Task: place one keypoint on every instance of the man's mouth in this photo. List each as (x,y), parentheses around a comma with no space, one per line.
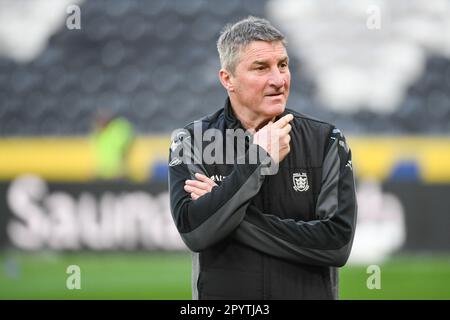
(277,94)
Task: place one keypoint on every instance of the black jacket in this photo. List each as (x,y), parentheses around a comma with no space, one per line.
(257,236)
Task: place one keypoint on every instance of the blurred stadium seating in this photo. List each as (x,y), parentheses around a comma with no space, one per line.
(155,63)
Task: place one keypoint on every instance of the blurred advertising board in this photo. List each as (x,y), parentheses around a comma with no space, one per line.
(120,215)
(37,215)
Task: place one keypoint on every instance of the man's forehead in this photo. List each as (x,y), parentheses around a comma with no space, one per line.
(263,50)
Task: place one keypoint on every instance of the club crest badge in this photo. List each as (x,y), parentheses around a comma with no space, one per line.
(300,181)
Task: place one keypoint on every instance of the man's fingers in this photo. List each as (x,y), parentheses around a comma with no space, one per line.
(194,196)
(280,123)
(286,129)
(199,188)
(198,184)
(205,179)
(198,191)
(286,140)
(201,177)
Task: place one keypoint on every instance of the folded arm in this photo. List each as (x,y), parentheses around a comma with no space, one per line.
(213,216)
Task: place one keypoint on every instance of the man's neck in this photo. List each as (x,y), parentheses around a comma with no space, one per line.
(249,120)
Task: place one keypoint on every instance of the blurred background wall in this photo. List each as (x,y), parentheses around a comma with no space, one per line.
(91,90)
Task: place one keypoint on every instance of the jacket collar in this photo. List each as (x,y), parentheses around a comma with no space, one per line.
(231,121)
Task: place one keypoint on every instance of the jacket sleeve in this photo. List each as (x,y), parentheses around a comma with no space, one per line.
(326,241)
(212,217)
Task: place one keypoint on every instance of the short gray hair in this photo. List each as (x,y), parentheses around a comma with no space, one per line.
(234,37)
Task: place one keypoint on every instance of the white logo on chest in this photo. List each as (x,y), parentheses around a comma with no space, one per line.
(300,181)
(217,178)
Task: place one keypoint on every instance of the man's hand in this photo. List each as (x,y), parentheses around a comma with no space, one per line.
(274,138)
(198,188)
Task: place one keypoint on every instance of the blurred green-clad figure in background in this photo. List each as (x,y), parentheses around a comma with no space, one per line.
(112,138)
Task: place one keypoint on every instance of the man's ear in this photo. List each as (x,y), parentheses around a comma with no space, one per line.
(226,80)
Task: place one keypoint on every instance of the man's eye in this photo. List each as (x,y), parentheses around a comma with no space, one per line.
(260,68)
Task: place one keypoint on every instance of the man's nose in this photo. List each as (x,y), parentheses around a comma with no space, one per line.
(276,78)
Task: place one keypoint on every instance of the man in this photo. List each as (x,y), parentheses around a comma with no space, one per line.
(256,234)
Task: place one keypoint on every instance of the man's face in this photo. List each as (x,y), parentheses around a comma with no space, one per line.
(262,79)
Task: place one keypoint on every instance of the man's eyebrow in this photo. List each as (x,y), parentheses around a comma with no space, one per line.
(264,62)
(260,62)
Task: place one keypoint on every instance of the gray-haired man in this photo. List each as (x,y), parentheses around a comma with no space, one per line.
(257,236)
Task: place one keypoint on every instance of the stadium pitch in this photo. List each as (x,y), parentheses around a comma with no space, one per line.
(167,276)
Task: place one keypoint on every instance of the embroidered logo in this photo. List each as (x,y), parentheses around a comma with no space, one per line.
(300,181)
(176,143)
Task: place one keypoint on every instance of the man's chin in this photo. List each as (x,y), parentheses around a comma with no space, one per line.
(275,109)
